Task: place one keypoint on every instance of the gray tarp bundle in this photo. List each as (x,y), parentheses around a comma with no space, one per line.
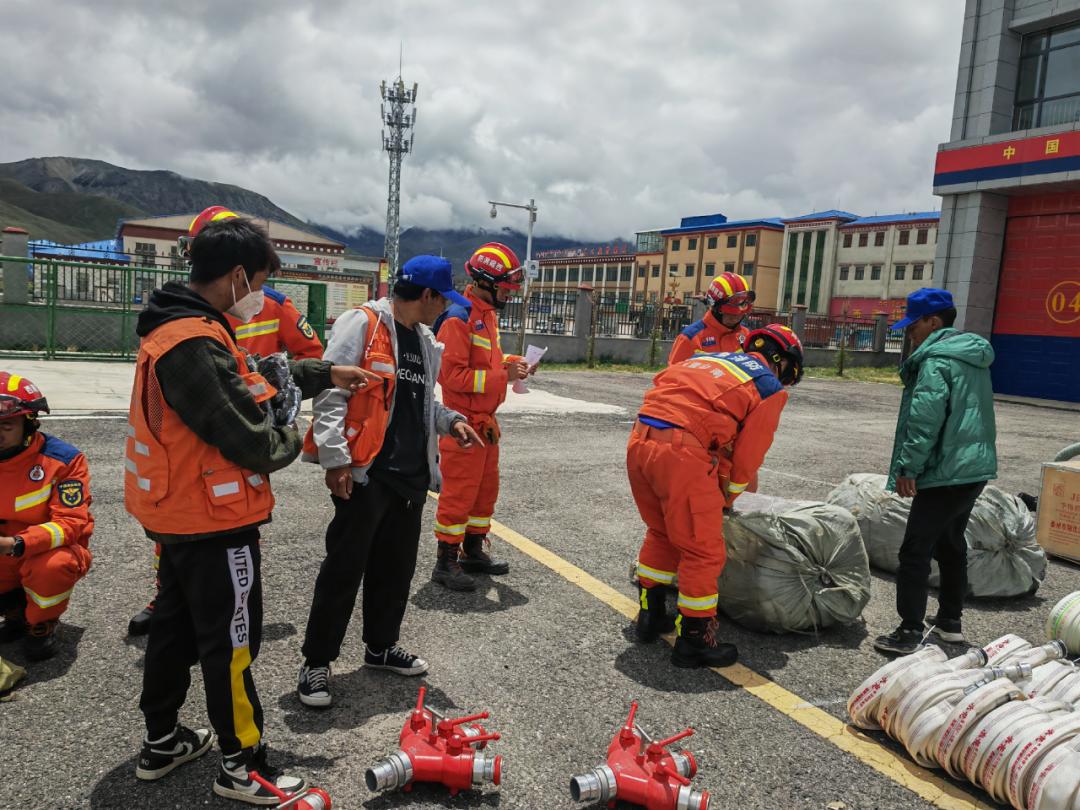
(792,565)
(1003,557)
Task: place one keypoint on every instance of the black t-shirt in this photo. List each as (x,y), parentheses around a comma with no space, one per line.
(402,462)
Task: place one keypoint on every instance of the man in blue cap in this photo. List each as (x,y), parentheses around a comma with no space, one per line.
(379,450)
(943,455)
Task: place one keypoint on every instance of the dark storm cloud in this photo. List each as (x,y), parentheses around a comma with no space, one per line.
(615,116)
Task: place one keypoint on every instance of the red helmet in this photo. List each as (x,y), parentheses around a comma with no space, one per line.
(774,342)
(496,264)
(215,213)
(731,292)
(20,397)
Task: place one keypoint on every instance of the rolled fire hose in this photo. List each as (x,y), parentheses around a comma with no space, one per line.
(1056,781)
(903,683)
(1004,729)
(1000,650)
(1063,623)
(964,719)
(864,701)
(1026,757)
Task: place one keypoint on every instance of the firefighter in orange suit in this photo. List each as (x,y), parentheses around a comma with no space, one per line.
(45,521)
(474,377)
(276,327)
(730,299)
(701,434)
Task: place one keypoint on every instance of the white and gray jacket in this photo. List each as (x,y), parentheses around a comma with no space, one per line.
(348,340)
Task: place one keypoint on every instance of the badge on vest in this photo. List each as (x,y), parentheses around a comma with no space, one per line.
(37,473)
(71,492)
(305,328)
(709,341)
(742,339)
(478,326)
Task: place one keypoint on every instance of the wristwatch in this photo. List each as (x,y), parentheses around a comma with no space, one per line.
(18,548)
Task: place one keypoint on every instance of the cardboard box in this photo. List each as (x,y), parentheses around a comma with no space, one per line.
(1058,529)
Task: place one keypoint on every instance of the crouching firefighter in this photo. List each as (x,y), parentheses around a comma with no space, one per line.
(474,377)
(700,437)
(198,456)
(45,521)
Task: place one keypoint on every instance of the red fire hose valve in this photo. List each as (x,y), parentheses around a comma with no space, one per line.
(434,748)
(309,799)
(642,771)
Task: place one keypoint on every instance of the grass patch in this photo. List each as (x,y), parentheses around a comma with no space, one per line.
(636,368)
(860,374)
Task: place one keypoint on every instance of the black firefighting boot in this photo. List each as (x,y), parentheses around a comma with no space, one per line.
(475,559)
(448,571)
(653,619)
(40,641)
(697,645)
(12,608)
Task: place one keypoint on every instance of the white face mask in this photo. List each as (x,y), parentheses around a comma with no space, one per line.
(247,307)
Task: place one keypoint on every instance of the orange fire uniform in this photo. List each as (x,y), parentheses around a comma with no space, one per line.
(721,411)
(45,500)
(278,327)
(473,379)
(707,336)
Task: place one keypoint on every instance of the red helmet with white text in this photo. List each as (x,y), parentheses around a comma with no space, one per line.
(496,265)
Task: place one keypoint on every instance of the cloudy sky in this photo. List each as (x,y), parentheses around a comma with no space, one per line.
(615,116)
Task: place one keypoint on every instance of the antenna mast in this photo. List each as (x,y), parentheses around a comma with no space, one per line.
(398,112)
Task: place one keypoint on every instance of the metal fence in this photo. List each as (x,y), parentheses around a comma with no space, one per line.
(548,314)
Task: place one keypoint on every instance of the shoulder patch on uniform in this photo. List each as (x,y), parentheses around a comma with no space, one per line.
(274,295)
(58,449)
(305,328)
(71,492)
(693,330)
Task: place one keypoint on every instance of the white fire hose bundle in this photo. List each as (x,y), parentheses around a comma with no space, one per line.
(1005,717)
(1063,623)
(792,566)
(1004,558)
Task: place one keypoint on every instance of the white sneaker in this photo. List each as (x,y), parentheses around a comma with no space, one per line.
(234,780)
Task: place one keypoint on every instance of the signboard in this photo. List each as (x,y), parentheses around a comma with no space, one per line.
(342,296)
(297,292)
(532,269)
(299,260)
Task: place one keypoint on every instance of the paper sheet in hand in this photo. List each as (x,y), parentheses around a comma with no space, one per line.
(533,355)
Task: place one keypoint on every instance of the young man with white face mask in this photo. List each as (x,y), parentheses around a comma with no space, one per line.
(199,451)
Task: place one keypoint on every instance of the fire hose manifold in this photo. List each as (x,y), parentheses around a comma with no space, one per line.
(642,771)
(434,748)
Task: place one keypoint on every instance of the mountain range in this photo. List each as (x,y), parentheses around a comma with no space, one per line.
(73,200)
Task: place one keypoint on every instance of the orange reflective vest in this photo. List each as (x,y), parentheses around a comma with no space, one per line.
(45,496)
(730,403)
(473,373)
(174,482)
(279,326)
(368,412)
(707,336)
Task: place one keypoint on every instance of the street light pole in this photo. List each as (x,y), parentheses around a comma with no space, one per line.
(531,208)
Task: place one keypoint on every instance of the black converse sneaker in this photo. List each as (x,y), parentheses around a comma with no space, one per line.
(948,630)
(160,757)
(313,688)
(235,781)
(394,659)
(902,641)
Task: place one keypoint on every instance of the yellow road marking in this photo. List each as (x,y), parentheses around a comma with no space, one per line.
(939,792)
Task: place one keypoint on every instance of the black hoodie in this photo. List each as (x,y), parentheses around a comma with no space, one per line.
(200,381)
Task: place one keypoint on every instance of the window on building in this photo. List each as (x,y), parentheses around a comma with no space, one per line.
(176,260)
(572,275)
(710,270)
(729,267)
(586,275)
(847,240)
(613,274)
(929,271)
(689,270)
(624,274)
(905,237)
(712,243)
(147,253)
(916,272)
(560,275)
(860,272)
(656,271)
(901,271)
(673,270)
(875,272)
(864,239)
(920,237)
(691,244)
(1048,80)
(641,270)
(639,296)
(751,239)
(675,244)
(879,238)
(733,240)
(748,268)
(650,242)
(844,272)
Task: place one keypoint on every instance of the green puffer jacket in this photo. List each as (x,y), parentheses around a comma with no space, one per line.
(945,433)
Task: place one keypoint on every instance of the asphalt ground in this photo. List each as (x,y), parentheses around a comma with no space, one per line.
(555,665)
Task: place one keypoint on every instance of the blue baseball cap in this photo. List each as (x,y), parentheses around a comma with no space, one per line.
(924,301)
(435,273)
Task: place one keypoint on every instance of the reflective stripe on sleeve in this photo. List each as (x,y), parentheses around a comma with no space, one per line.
(735,489)
(38,496)
(482,342)
(479,381)
(56,533)
(257,328)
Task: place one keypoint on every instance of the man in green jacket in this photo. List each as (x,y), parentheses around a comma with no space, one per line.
(943,455)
